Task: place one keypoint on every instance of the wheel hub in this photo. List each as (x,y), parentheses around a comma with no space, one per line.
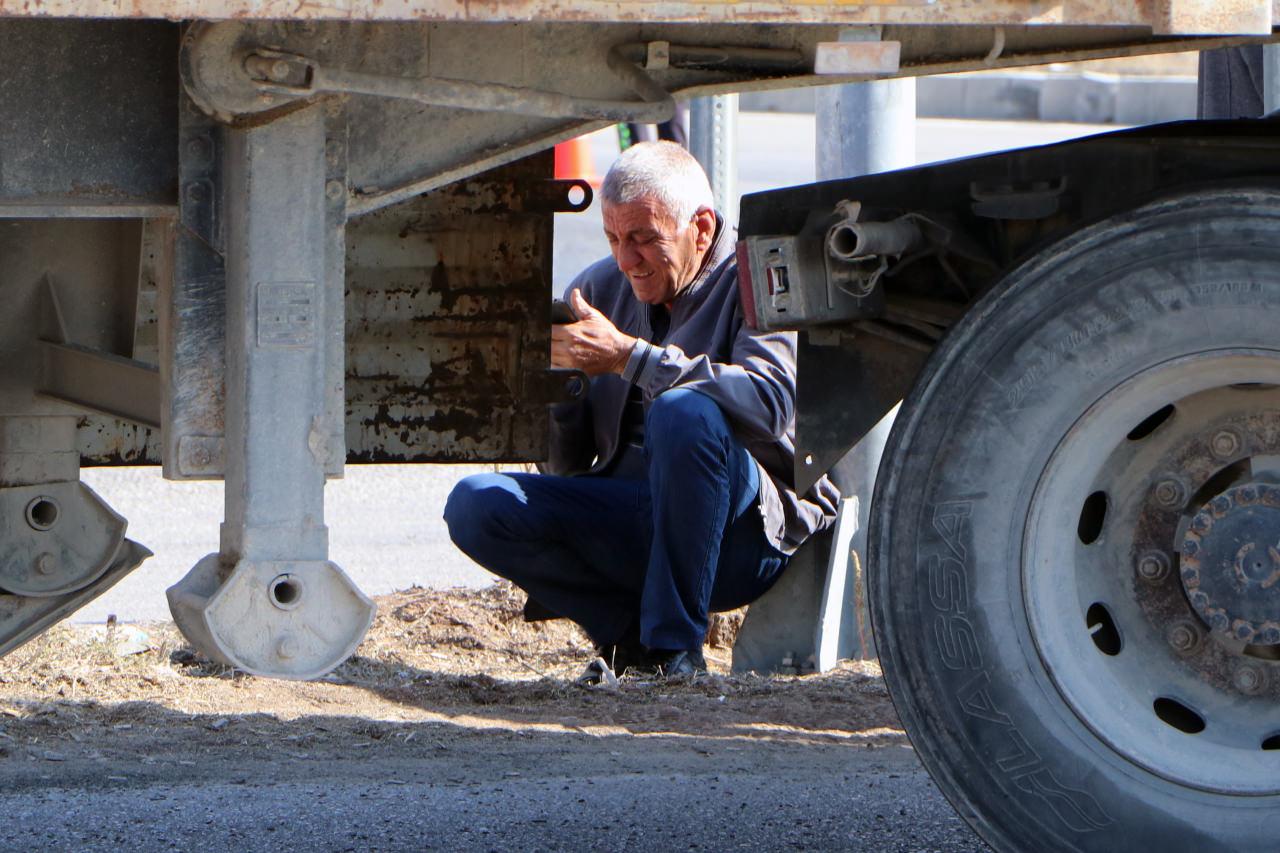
(1230,564)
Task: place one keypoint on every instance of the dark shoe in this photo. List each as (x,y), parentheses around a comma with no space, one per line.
(629,654)
(681,664)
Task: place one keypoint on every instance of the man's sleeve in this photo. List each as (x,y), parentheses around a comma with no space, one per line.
(756,390)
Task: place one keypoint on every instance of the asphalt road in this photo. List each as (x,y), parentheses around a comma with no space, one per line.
(384,521)
(635,794)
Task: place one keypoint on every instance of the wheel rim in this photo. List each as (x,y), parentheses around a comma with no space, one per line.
(1108,606)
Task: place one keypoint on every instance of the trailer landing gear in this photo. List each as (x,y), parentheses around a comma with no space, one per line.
(270,602)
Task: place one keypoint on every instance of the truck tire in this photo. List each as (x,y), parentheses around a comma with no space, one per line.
(1060,669)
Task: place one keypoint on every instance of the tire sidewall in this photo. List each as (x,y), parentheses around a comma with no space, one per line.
(1176,277)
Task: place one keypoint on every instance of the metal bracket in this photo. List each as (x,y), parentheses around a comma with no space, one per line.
(102,382)
(57,538)
(230,80)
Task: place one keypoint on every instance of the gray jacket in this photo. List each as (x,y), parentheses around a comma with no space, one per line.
(708,348)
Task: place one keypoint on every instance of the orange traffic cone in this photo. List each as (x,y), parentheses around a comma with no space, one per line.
(573,160)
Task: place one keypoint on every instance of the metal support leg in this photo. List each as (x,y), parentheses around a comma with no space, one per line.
(271,603)
(713,139)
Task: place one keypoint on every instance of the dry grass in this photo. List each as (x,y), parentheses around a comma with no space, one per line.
(461,657)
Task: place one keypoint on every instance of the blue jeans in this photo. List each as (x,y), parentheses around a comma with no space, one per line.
(657,552)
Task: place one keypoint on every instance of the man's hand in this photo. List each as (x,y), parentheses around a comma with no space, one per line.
(593,344)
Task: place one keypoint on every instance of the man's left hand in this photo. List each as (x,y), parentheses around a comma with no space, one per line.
(593,344)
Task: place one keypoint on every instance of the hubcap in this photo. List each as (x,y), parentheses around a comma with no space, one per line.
(1231,563)
(1151,570)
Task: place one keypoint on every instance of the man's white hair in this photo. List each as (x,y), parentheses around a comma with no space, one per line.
(659,170)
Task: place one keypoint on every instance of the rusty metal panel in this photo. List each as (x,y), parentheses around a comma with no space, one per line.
(1198,14)
(448,320)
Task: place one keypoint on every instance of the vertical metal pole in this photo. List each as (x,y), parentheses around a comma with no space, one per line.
(1270,78)
(713,140)
(862,128)
(277,436)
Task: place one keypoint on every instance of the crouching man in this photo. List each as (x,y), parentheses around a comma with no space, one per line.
(669,490)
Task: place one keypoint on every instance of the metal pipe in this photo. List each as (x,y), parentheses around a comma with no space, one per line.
(848,241)
(727,58)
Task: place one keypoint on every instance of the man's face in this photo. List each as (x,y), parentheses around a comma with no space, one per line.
(658,255)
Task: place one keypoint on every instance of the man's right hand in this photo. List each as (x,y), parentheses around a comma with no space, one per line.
(593,344)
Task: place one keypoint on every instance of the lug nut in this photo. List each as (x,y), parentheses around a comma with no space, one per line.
(1153,566)
(1170,493)
(1225,444)
(1243,630)
(1249,679)
(1184,637)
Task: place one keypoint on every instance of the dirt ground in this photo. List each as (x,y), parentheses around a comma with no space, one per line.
(437,667)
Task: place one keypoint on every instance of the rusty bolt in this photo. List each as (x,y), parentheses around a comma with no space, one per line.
(1225,444)
(334,190)
(1249,679)
(1184,637)
(1190,548)
(287,646)
(1170,493)
(198,149)
(1153,566)
(1247,495)
(1221,505)
(45,564)
(1243,630)
(196,192)
(265,68)
(1269,635)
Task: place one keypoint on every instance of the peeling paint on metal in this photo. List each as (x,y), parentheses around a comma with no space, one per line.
(447,299)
